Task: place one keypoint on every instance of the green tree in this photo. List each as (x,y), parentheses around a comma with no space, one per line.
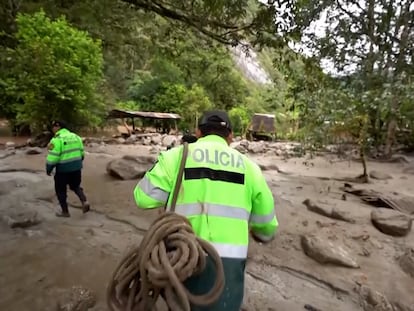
(240,119)
(195,102)
(55,70)
(371,42)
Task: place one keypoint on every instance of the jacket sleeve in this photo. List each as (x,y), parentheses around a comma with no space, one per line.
(81,147)
(263,221)
(53,156)
(154,188)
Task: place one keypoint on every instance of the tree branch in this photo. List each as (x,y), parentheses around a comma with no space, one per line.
(200,23)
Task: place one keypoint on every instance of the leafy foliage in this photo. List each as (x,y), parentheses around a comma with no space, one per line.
(54,72)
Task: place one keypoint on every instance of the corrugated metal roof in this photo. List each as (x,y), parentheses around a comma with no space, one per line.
(118,113)
(265,115)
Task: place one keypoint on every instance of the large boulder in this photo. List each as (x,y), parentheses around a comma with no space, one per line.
(322,250)
(391,222)
(331,212)
(130,167)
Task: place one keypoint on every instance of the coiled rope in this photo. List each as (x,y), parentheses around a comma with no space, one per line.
(169,253)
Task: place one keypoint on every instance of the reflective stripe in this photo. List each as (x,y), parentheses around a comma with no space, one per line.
(230,250)
(51,153)
(154,192)
(212,210)
(70,160)
(71,150)
(262,237)
(262,219)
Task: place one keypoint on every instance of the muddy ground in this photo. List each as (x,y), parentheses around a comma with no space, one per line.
(38,263)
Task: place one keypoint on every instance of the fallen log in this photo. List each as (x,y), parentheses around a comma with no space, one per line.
(377,199)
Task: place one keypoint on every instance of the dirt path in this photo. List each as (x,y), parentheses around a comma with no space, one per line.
(37,262)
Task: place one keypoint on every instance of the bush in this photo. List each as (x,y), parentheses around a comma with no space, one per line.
(55,70)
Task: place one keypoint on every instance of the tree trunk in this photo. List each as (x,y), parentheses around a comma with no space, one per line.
(392,126)
(364,176)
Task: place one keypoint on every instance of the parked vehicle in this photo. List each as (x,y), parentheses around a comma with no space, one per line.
(262,127)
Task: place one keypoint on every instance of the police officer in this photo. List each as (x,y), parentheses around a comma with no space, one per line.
(66,154)
(224,195)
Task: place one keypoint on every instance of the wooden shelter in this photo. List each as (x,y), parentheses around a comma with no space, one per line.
(147,115)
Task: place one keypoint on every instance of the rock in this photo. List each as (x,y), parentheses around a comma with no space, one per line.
(76,299)
(120,140)
(10,144)
(256,147)
(372,300)
(328,211)
(131,139)
(324,251)
(168,140)
(342,215)
(34,233)
(156,139)
(130,167)
(244,143)
(391,222)
(311,308)
(146,141)
(22,220)
(398,306)
(319,209)
(379,175)
(34,150)
(7,154)
(155,150)
(270,167)
(406,262)
(239,147)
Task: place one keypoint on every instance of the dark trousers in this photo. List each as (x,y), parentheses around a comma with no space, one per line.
(232,297)
(71,179)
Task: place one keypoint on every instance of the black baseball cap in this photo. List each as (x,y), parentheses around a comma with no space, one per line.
(61,124)
(217,118)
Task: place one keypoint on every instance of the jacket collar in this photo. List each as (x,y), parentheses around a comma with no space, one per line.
(61,131)
(213,138)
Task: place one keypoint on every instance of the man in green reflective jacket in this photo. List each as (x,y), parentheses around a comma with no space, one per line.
(66,155)
(224,195)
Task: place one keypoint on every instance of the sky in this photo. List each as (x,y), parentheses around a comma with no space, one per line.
(318,28)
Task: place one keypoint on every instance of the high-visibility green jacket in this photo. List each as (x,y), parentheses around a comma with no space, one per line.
(66,152)
(223,193)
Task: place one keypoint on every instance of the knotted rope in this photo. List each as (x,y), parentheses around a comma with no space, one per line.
(169,253)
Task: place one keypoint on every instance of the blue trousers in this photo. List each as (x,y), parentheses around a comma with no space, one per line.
(232,297)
